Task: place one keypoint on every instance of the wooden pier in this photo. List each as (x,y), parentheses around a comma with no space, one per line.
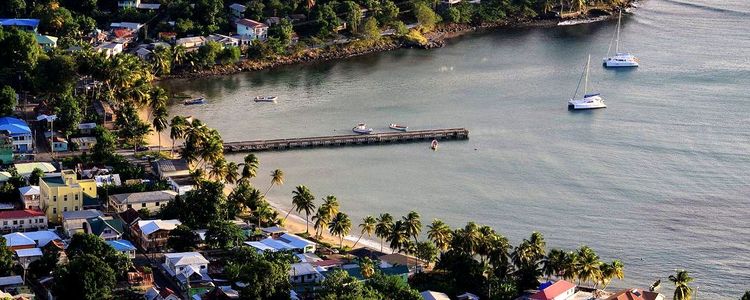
(346,140)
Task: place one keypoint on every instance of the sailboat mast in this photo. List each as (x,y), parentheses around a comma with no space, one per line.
(586,82)
(617,41)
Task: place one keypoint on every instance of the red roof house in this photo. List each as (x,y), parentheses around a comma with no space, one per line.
(636,294)
(559,290)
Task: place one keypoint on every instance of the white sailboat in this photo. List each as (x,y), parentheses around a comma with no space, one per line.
(620,59)
(589,100)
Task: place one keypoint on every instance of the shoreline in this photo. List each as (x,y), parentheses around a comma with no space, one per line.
(436,39)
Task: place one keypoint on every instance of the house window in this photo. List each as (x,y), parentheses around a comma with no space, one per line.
(130,206)
(54,198)
(54,210)
(76,207)
(21,222)
(15,222)
(41,220)
(76,197)
(143,204)
(157,203)
(181,268)
(65,197)
(5,222)
(65,208)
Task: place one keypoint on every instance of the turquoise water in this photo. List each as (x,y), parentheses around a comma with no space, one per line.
(659,179)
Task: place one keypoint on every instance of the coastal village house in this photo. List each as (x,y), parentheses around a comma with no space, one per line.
(166,168)
(106,228)
(152,234)
(153,201)
(22,220)
(64,193)
(182,184)
(252,30)
(560,290)
(164,294)
(636,294)
(28,240)
(191,43)
(109,48)
(304,273)
(123,246)
(25,169)
(186,265)
(30,197)
(84,143)
(284,242)
(73,221)
(19,132)
(137,4)
(236,11)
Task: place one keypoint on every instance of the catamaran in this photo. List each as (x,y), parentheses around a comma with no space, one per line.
(620,59)
(589,100)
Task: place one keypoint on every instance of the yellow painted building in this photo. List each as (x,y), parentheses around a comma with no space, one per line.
(63,193)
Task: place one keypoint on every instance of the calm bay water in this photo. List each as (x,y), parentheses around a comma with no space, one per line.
(659,179)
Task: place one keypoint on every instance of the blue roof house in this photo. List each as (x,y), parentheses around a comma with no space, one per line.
(19,132)
(25,24)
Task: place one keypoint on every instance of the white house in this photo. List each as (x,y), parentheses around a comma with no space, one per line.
(85,143)
(30,196)
(191,42)
(153,201)
(22,220)
(33,239)
(109,48)
(285,242)
(187,265)
(252,29)
(430,295)
(137,4)
(182,184)
(227,41)
(304,273)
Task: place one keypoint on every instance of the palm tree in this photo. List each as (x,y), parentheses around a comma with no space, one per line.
(263,212)
(303,200)
(233,173)
(250,166)
(383,228)
(413,224)
(277,178)
(612,270)
(162,60)
(366,227)
(553,263)
(331,204)
(367,267)
(570,266)
(160,122)
(178,55)
(440,234)
(588,265)
(398,237)
(468,239)
(340,226)
(219,170)
(177,129)
(681,289)
(321,219)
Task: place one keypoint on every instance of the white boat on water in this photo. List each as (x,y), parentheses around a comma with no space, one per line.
(361,128)
(434,145)
(620,59)
(581,21)
(266,99)
(398,127)
(589,100)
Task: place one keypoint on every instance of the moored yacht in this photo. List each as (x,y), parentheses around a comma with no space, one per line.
(589,100)
(620,59)
(361,128)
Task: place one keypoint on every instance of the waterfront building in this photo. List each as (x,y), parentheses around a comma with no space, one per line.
(284,242)
(636,294)
(226,41)
(191,43)
(20,133)
(64,193)
(252,29)
(559,290)
(22,220)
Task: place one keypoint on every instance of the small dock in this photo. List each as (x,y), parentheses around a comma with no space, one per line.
(347,140)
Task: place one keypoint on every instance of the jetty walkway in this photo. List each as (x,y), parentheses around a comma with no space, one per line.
(346,140)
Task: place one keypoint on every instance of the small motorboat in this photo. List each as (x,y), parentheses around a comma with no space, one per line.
(398,127)
(434,145)
(266,99)
(196,101)
(361,128)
